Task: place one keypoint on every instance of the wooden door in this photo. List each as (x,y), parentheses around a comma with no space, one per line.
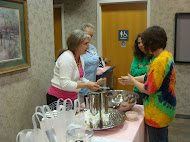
(57,30)
(128,16)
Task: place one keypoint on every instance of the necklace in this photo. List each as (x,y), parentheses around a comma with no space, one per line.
(77,62)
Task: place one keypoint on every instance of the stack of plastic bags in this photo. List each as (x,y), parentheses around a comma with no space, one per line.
(53,123)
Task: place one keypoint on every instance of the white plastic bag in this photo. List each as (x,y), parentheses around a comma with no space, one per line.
(73,120)
(47,124)
(56,122)
(25,136)
(32,135)
(65,115)
(60,124)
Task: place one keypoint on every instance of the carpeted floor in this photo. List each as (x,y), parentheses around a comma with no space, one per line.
(179,130)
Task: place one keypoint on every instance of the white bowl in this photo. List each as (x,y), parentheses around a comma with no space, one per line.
(132,115)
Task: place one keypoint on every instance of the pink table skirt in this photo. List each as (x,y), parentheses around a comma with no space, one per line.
(133,131)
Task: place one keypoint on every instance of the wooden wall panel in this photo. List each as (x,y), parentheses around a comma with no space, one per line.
(57,30)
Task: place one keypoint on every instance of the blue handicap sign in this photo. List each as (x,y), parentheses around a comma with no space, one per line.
(123,34)
(123,43)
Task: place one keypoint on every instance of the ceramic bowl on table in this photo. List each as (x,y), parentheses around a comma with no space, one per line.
(132,115)
(122,100)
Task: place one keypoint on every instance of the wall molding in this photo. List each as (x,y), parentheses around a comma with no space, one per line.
(183,116)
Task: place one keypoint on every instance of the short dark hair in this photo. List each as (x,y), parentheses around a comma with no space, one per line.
(154,38)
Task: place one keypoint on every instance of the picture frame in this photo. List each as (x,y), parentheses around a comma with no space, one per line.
(14,36)
(182,34)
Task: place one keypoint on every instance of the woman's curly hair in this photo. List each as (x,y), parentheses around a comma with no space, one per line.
(137,52)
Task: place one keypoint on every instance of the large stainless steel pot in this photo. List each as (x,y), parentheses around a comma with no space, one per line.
(98,102)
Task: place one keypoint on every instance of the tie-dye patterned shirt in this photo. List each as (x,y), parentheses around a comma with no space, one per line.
(160,106)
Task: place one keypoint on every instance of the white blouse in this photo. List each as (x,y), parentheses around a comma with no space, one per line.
(66,73)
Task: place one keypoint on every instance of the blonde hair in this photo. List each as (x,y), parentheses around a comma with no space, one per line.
(87,26)
(75,39)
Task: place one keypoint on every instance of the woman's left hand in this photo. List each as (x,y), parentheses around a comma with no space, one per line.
(126,80)
(101,81)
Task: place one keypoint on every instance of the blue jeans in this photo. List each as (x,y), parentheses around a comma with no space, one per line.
(157,134)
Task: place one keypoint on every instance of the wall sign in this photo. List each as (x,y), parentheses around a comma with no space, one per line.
(123,34)
(123,43)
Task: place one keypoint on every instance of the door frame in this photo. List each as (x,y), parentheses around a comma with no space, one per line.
(62,23)
(99,18)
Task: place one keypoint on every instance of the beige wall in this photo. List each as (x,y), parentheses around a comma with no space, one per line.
(22,91)
(77,12)
(162,13)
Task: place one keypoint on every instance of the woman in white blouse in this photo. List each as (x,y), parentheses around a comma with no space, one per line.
(68,76)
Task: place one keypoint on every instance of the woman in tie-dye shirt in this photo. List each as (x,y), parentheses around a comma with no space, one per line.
(158,85)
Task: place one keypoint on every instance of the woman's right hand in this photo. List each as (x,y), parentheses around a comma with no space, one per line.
(93,86)
(100,81)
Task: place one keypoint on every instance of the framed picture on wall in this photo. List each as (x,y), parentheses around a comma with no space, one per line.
(14,37)
(182,37)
